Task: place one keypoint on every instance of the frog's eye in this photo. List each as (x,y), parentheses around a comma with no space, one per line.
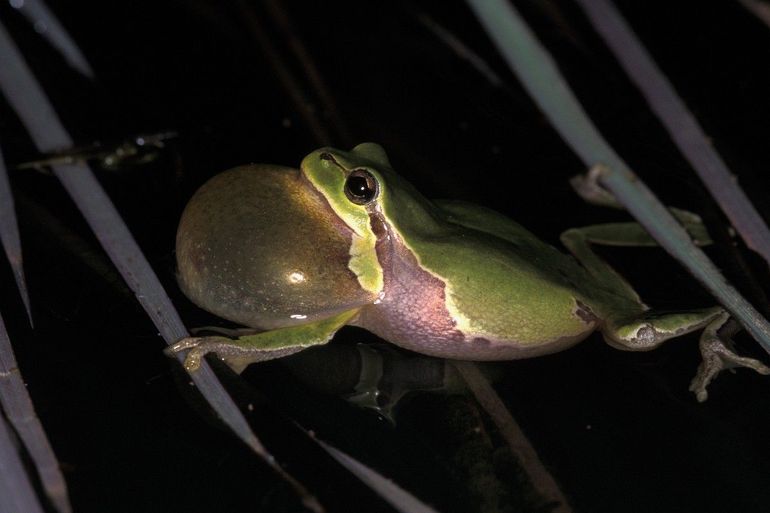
(361,187)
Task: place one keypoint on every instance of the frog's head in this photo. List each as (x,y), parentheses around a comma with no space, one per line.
(352,182)
(368,196)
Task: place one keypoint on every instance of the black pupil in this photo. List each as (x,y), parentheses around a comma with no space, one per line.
(360,186)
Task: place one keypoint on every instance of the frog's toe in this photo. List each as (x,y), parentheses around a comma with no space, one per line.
(180,345)
(197,348)
(718,356)
(701,381)
(589,188)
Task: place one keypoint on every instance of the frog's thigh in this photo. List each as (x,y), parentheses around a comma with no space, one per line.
(240,352)
(578,241)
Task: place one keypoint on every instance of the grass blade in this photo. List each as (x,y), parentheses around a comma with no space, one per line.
(541,78)
(680,123)
(393,494)
(759,9)
(48,26)
(9,236)
(280,19)
(18,408)
(460,49)
(541,479)
(288,79)
(37,114)
(16,494)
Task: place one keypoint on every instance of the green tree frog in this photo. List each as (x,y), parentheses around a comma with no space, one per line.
(299,253)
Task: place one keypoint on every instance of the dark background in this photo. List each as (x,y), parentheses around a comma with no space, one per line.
(619,431)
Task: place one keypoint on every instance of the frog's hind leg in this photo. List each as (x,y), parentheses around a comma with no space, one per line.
(589,188)
(579,240)
(632,326)
(651,329)
(244,350)
(718,354)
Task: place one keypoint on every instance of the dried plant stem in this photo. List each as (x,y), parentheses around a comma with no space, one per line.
(541,479)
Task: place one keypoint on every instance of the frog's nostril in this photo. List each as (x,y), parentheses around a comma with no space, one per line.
(326,156)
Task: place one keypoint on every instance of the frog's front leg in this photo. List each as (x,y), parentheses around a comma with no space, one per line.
(244,350)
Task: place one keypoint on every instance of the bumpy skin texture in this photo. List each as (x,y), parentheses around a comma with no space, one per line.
(257,245)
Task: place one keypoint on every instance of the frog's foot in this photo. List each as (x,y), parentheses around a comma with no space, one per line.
(235,354)
(651,329)
(588,187)
(718,355)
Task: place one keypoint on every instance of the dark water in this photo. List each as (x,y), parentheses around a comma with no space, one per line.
(619,431)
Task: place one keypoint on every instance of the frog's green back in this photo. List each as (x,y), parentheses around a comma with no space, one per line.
(496,291)
(501,281)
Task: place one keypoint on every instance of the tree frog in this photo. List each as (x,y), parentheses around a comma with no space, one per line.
(299,253)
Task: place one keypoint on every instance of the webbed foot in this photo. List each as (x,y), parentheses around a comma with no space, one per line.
(718,355)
